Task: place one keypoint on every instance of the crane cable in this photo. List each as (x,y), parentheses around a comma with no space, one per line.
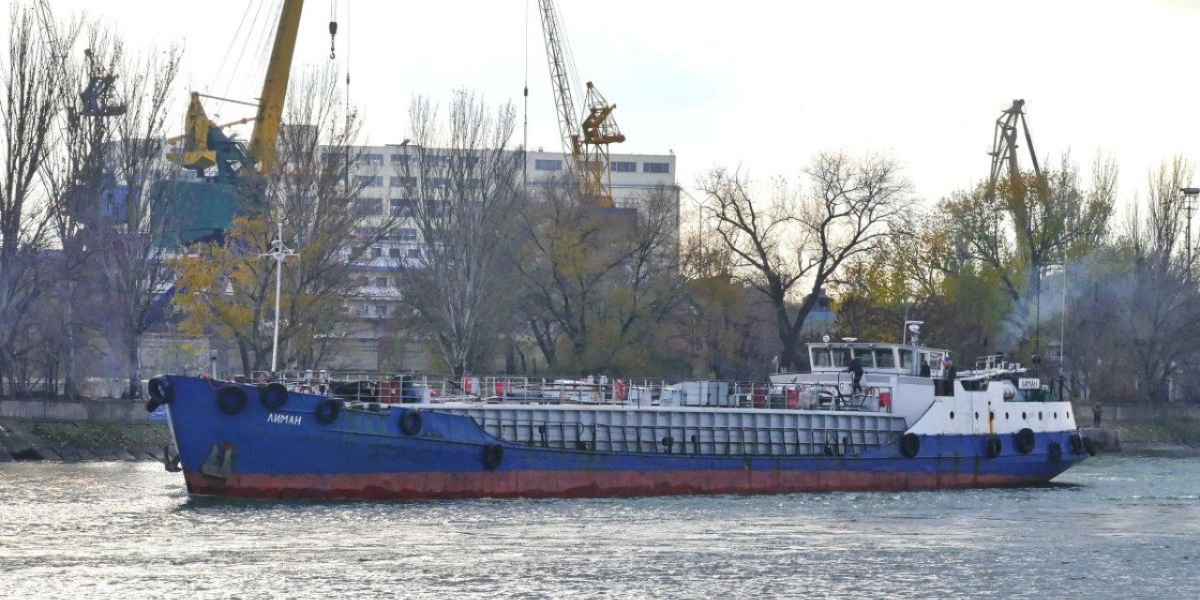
(242,51)
(525,135)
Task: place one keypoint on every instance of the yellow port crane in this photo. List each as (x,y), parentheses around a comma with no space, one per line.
(585,140)
(206,145)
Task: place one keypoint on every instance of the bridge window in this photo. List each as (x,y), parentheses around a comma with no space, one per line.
(624,167)
(885,359)
(656,167)
(906,361)
(865,357)
(547,165)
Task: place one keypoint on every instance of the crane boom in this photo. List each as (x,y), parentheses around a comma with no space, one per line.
(563,100)
(584,139)
(274,90)
(1004,146)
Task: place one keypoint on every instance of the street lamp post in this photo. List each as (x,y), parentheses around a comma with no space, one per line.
(1189,203)
(279,252)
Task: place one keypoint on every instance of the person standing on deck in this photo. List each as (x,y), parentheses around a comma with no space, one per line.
(1097,412)
(855,367)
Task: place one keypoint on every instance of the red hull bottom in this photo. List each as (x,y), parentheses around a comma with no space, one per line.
(566,484)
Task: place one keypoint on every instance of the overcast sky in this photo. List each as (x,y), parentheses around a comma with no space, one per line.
(756,83)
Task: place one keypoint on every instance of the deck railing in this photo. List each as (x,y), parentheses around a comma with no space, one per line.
(432,389)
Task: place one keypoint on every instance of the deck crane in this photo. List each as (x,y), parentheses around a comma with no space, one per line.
(585,140)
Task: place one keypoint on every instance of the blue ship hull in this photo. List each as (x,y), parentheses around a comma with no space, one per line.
(292,452)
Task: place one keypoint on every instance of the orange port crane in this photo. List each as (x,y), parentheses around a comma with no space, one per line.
(585,140)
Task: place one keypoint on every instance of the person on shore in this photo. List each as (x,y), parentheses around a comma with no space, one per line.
(1097,412)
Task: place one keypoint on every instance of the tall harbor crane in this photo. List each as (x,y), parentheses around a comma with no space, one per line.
(205,142)
(584,139)
(1004,146)
(203,209)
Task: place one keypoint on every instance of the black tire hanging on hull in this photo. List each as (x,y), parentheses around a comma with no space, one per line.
(910,445)
(411,422)
(328,410)
(160,391)
(994,446)
(1025,441)
(493,456)
(1055,451)
(231,399)
(273,395)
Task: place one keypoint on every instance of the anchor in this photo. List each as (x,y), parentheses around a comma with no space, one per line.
(220,462)
(171,462)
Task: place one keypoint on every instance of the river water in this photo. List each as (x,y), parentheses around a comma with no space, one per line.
(1113,527)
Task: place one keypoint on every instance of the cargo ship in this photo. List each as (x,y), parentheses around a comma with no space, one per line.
(868,416)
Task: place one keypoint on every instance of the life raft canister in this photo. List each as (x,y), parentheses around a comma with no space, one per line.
(621,389)
(231,399)
(792,398)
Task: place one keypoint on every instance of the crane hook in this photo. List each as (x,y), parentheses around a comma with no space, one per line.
(332,35)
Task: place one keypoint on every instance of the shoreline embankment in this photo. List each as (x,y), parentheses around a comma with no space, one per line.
(80,430)
(109,429)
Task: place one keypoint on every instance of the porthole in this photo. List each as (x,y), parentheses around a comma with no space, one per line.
(1056,415)
(1024,416)
(991,416)
(1040,417)
(976,416)
(1068,415)
(1005,416)
(952,415)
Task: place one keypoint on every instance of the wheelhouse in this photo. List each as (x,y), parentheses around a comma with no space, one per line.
(893,359)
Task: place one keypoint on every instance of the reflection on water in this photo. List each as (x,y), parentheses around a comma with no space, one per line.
(1113,527)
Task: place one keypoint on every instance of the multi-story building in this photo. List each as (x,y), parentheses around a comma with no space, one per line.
(387,190)
(633,175)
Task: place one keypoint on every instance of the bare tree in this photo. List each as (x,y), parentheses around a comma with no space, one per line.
(1149,320)
(598,279)
(33,90)
(75,173)
(134,277)
(1026,228)
(795,239)
(464,190)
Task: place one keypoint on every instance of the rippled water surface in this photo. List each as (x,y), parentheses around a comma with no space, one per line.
(1114,527)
